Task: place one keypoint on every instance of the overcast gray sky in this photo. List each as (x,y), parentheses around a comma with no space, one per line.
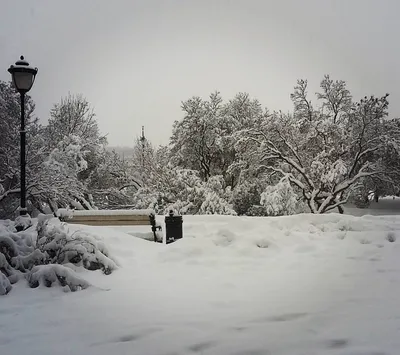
(136,60)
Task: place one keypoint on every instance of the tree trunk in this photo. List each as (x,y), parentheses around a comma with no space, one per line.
(340,209)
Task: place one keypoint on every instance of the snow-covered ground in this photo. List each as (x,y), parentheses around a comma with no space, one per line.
(300,285)
(385,206)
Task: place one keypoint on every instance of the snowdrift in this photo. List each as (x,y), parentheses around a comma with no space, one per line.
(233,285)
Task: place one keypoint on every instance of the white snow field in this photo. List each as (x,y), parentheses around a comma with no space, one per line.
(300,285)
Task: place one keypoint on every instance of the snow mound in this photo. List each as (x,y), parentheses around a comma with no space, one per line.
(233,285)
(219,240)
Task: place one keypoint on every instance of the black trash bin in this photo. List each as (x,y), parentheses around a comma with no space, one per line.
(173,227)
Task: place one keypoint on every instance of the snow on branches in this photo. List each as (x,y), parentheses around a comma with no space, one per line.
(48,254)
(324,152)
(280,199)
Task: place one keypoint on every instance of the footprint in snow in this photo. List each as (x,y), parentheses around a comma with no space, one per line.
(391,237)
(337,343)
(128,338)
(200,347)
(134,336)
(365,241)
(253,352)
(281,318)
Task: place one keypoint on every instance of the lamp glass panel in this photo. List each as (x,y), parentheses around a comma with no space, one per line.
(23,80)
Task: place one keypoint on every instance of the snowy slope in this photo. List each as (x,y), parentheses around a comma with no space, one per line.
(234,285)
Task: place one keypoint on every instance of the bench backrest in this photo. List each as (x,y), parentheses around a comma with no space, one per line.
(111,218)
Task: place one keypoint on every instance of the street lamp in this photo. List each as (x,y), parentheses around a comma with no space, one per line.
(23,77)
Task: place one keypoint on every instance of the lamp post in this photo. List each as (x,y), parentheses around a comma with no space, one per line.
(23,77)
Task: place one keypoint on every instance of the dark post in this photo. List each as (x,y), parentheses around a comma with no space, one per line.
(154,227)
(23,77)
(23,210)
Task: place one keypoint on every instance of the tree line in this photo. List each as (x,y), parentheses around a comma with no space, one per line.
(232,157)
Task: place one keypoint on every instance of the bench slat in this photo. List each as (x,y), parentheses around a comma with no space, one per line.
(110,218)
(110,222)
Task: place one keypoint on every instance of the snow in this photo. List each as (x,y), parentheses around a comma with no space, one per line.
(385,206)
(56,274)
(146,212)
(304,284)
(23,221)
(5,285)
(64,213)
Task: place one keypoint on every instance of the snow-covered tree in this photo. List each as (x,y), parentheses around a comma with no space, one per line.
(143,159)
(194,140)
(242,112)
(183,190)
(56,183)
(73,131)
(327,151)
(204,140)
(10,121)
(73,115)
(114,181)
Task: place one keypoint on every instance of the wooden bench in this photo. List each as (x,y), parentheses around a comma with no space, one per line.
(114,218)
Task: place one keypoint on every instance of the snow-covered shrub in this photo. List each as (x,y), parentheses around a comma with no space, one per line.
(280,199)
(180,207)
(216,183)
(184,191)
(257,210)
(213,204)
(245,196)
(64,214)
(5,284)
(46,255)
(51,274)
(147,198)
(361,196)
(23,222)
(61,247)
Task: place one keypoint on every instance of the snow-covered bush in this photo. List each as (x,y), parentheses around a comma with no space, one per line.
(184,191)
(280,199)
(360,198)
(181,207)
(5,284)
(23,222)
(53,274)
(61,247)
(213,204)
(257,211)
(48,254)
(147,198)
(245,196)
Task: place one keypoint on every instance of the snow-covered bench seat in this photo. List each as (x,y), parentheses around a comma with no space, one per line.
(112,217)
